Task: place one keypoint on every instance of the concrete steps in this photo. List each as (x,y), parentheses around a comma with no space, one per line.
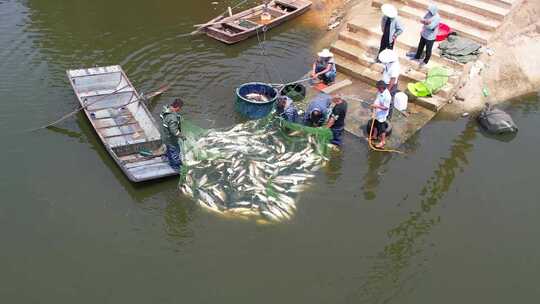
(507,4)
(370,42)
(480,7)
(358,45)
(450,12)
(415,14)
(409,69)
(351,61)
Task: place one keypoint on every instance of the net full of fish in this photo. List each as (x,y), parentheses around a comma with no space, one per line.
(251,171)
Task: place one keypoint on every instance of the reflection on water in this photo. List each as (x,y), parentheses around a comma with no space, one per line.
(402,258)
(376,162)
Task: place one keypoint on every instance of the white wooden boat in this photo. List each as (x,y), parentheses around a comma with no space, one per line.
(122,121)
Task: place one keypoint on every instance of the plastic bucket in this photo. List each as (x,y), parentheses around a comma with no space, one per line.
(253,109)
(400,101)
(444,31)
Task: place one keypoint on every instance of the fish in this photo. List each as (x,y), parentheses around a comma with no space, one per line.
(257,97)
(187,190)
(242,203)
(207,199)
(219,193)
(270,215)
(252,161)
(203,180)
(212,208)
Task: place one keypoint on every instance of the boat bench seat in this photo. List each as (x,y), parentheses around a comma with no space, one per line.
(236,26)
(275,12)
(93,93)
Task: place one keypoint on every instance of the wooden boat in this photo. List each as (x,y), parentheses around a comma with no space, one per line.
(238,27)
(122,121)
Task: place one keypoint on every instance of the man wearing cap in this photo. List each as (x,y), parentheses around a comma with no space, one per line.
(381,106)
(391,27)
(429,32)
(336,122)
(171,132)
(391,70)
(286,109)
(325,67)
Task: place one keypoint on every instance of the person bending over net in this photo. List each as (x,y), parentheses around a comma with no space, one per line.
(317,110)
(324,68)
(286,109)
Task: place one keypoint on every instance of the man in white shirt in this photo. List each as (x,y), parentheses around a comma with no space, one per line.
(391,70)
(381,106)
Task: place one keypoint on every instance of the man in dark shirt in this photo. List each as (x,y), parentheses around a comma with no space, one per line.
(336,122)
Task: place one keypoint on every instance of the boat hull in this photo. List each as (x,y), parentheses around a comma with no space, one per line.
(121,120)
(229,30)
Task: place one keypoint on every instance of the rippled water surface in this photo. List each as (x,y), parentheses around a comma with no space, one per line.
(455,220)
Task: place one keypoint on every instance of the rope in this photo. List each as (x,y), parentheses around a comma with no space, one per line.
(281,86)
(370,141)
(261,44)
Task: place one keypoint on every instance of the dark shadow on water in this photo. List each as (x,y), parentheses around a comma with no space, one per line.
(376,162)
(401,260)
(68,133)
(505,138)
(177,210)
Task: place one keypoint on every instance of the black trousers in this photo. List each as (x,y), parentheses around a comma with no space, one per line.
(424,43)
(386,45)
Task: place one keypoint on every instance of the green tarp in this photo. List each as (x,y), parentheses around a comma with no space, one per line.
(437,78)
(460,49)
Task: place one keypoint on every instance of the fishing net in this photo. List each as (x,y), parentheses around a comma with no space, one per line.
(254,169)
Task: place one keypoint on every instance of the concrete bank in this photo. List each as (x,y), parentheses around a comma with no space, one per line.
(506,26)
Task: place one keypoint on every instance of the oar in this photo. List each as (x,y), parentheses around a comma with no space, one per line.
(160,91)
(200,27)
(78,110)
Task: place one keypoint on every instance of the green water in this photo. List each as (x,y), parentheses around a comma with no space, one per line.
(455,220)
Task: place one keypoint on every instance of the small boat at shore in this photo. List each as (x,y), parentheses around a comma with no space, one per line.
(122,121)
(237,27)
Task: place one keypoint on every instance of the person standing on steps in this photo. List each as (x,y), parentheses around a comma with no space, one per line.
(391,27)
(429,32)
(391,70)
(171,132)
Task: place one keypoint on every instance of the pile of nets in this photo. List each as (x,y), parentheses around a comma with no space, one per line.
(254,169)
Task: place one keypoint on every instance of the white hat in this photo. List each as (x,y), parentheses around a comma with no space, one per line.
(387,56)
(389,10)
(400,101)
(325,53)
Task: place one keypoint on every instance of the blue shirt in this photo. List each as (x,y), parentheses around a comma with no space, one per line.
(321,102)
(290,112)
(430,30)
